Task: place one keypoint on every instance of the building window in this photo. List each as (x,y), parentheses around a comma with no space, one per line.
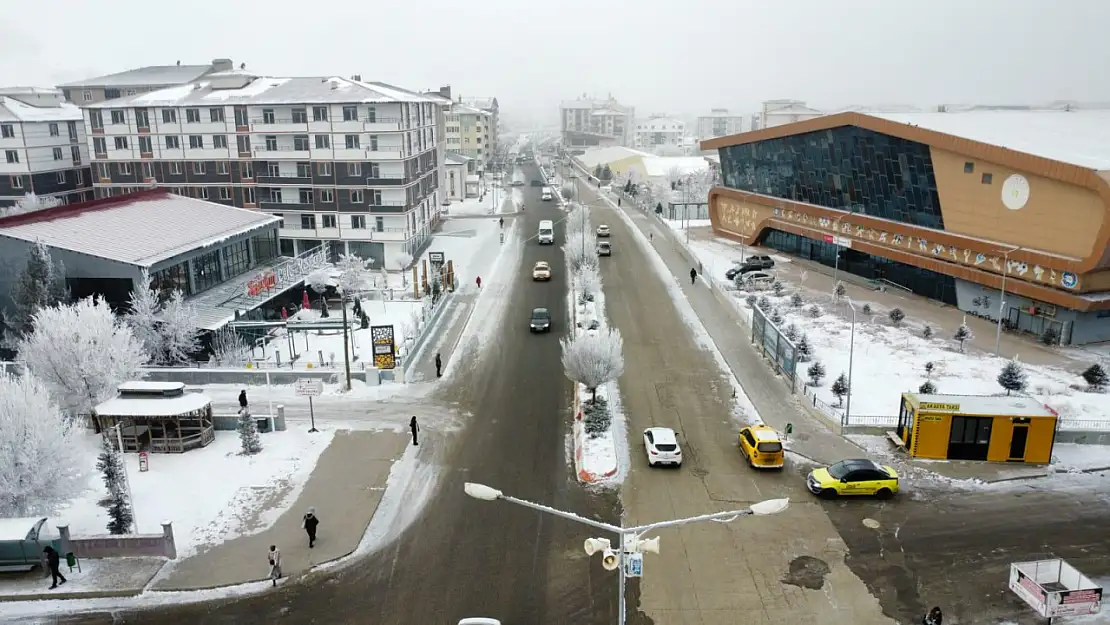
(192,116)
(323,142)
(300,143)
(206,271)
(304,170)
(16,182)
(300,116)
(100,146)
(170,279)
(96,120)
(308,222)
(53,130)
(373,143)
(148,171)
(169,116)
(219,141)
(275,196)
(268,116)
(246,171)
(379,224)
(328,221)
(326,196)
(58,154)
(350,113)
(124,169)
(121,143)
(248,195)
(202,193)
(351,141)
(354,169)
(273,170)
(198,167)
(237,258)
(196,142)
(173,142)
(60,177)
(323,169)
(356,196)
(146,146)
(129,92)
(969,167)
(271,143)
(305,196)
(987,178)
(319,113)
(86,96)
(102,171)
(358,222)
(225,193)
(216,115)
(119,117)
(175,168)
(7,131)
(222,168)
(80,177)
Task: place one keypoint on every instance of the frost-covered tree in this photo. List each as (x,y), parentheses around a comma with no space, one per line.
(1013,377)
(929,366)
(927,332)
(82,352)
(803,350)
(30,203)
(840,388)
(796,300)
(41,284)
(142,317)
(38,449)
(228,349)
(815,373)
(751,300)
(578,220)
(927,388)
(776,316)
(179,330)
(815,311)
(962,335)
(354,273)
(840,290)
(778,288)
(896,316)
(580,250)
(592,359)
(249,440)
(320,279)
(401,262)
(791,332)
(1095,377)
(588,282)
(764,304)
(567,191)
(112,471)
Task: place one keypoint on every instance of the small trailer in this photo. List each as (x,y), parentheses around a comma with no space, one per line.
(1055,588)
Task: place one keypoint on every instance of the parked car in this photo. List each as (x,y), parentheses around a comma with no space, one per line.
(541,320)
(760,262)
(537,183)
(604,248)
(758,279)
(761,446)
(853,477)
(750,264)
(479,620)
(517,183)
(661,445)
(603,230)
(541,271)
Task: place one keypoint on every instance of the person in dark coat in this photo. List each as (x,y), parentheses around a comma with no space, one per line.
(415,427)
(309,524)
(439,366)
(934,617)
(243,398)
(478,281)
(693,275)
(53,562)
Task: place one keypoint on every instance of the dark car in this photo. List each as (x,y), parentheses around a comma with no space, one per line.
(537,183)
(541,320)
(753,263)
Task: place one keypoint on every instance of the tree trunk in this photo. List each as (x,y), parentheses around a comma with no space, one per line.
(593,392)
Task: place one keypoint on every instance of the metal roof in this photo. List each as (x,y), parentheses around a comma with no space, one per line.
(13,110)
(480,103)
(988,405)
(149,75)
(138,229)
(270,90)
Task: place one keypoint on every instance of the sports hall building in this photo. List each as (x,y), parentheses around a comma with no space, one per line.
(942,204)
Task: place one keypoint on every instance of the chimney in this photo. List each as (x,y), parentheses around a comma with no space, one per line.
(357,78)
(179,63)
(222,65)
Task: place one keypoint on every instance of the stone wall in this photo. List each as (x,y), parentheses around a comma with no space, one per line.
(128,545)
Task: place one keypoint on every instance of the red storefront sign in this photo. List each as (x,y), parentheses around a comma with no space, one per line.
(262,282)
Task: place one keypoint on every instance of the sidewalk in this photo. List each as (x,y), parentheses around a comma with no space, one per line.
(345,488)
(444,338)
(99,578)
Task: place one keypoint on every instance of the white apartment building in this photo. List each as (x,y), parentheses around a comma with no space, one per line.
(340,160)
(43,149)
(586,123)
(779,112)
(489,105)
(139,80)
(659,134)
(719,123)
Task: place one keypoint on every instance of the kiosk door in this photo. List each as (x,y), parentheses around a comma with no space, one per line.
(970,437)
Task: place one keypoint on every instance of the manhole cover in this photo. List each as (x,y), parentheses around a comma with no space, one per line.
(872,523)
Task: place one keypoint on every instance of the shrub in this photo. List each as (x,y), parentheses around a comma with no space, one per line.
(1051,336)
(896,316)
(867,309)
(962,335)
(815,311)
(776,317)
(778,287)
(803,351)
(596,416)
(791,332)
(839,291)
(796,300)
(1095,376)
(764,304)
(1012,377)
(929,366)
(815,372)
(927,388)
(927,332)
(751,300)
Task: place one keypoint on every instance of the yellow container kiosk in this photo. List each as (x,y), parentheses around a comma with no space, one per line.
(977,427)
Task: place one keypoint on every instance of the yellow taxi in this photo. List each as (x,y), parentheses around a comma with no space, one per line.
(761,447)
(853,477)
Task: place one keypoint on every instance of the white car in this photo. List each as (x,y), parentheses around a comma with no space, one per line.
(603,230)
(662,447)
(758,279)
(479,620)
(541,271)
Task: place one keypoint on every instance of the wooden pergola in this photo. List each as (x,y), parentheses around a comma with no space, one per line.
(158,417)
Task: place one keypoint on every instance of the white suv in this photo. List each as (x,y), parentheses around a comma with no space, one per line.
(662,447)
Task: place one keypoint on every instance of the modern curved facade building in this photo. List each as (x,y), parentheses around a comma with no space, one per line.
(944,204)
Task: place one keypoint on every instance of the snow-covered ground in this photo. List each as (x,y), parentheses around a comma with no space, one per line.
(889,360)
(211,495)
(681,225)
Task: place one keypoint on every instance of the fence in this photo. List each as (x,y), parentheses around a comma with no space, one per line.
(128,545)
(825,410)
(774,345)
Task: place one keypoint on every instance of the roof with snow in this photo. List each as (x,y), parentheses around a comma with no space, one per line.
(1077,137)
(18,110)
(154,406)
(608,112)
(987,405)
(481,103)
(139,229)
(661,165)
(600,156)
(451,158)
(149,75)
(660,124)
(253,89)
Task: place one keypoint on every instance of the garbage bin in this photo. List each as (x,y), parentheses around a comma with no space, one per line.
(71,560)
(263,424)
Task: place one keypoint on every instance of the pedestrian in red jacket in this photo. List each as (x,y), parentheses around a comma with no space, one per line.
(478,281)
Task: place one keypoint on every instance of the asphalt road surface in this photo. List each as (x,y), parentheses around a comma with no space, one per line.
(463,557)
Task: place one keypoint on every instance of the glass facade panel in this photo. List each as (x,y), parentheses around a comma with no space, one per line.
(921,281)
(265,247)
(237,258)
(170,279)
(206,271)
(846,168)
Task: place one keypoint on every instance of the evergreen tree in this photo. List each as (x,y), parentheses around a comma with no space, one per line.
(927,332)
(751,301)
(41,284)
(803,351)
(840,388)
(1051,336)
(597,171)
(776,316)
(896,316)
(248,433)
(962,335)
(791,332)
(927,388)
(778,288)
(796,300)
(606,173)
(110,465)
(840,291)
(1012,377)
(120,516)
(815,372)
(596,416)
(929,366)
(866,309)
(764,304)
(1095,376)
(815,311)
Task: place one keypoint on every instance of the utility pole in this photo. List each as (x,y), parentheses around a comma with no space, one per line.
(346,329)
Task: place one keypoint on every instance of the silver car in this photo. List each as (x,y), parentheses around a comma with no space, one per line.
(604,248)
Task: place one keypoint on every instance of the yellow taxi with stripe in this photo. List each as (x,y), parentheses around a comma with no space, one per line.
(853,478)
(761,447)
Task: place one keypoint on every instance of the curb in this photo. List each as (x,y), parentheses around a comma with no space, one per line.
(584,476)
(68,596)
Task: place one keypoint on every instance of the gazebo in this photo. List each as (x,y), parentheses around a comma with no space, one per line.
(159,417)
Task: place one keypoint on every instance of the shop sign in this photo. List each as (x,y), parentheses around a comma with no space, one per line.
(264,281)
(935,407)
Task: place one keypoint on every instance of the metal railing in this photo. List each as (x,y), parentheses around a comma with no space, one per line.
(1084,425)
(831,413)
(872,420)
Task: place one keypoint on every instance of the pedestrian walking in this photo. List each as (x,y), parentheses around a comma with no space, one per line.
(243,399)
(415,427)
(478,281)
(53,562)
(274,558)
(439,366)
(651,235)
(693,275)
(501,222)
(934,617)
(309,524)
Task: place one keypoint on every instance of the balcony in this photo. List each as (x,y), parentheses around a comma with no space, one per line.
(386,206)
(279,207)
(382,124)
(385,153)
(389,181)
(282,152)
(279,124)
(292,179)
(388,234)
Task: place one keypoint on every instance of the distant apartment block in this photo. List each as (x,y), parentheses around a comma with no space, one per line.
(586,123)
(43,149)
(469,132)
(136,81)
(778,112)
(489,105)
(659,134)
(719,123)
(340,160)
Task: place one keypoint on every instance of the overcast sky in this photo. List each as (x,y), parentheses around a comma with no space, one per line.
(659,56)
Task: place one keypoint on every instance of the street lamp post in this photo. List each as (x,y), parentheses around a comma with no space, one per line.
(1002,297)
(631,538)
(851,355)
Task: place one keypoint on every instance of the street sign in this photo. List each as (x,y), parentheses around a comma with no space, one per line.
(436,258)
(835,240)
(144,462)
(312,387)
(633,564)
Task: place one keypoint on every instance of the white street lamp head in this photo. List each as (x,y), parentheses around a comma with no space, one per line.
(771,506)
(481,491)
